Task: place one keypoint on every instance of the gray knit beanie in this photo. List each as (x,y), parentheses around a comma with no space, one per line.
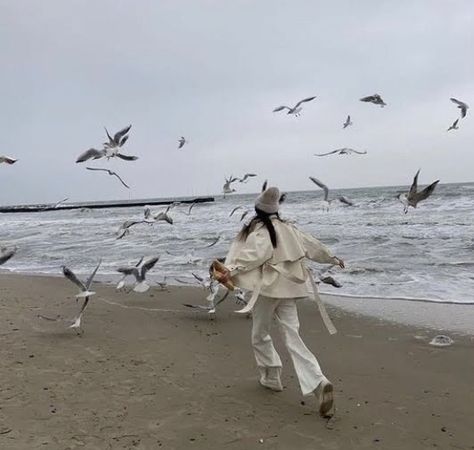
(268,200)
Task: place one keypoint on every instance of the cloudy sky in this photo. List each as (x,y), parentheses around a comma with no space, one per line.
(213,71)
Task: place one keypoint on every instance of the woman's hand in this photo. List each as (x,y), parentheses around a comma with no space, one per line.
(340,262)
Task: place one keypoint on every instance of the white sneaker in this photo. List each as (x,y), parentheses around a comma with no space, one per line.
(325,395)
(270,378)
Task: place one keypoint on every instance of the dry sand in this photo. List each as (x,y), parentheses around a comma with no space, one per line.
(148,374)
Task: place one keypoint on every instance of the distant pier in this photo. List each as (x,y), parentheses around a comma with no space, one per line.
(101,205)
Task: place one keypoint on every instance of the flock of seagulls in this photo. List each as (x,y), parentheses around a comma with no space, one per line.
(113,148)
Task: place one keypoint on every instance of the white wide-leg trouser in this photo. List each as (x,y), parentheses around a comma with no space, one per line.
(286,316)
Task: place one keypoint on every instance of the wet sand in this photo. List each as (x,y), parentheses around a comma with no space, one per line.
(148,373)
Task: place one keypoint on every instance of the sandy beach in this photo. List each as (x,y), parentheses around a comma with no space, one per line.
(147,373)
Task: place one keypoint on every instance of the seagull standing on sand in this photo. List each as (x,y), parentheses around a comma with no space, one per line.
(296,110)
(454,126)
(7,160)
(347,123)
(6,254)
(342,151)
(181,142)
(375,99)
(461,105)
(139,271)
(110,172)
(414,197)
(85,293)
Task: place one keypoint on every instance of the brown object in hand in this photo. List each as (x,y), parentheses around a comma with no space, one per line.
(218,270)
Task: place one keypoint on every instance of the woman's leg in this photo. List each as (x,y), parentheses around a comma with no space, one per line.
(306,365)
(268,360)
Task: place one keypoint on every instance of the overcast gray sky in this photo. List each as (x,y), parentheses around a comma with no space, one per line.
(213,71)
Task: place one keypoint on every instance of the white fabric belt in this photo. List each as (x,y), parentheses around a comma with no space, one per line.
(322,310)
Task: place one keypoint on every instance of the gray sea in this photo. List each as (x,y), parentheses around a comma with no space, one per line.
(425,254)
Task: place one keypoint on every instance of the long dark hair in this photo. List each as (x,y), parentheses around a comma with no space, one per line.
(260,217)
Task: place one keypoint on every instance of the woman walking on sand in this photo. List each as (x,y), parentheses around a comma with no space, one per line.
(267,258)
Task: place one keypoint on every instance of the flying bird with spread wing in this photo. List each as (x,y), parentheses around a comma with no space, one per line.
(181,141)
(295,110)
(461,105)
(414,196)
(454,126)
(138,271)
(110,172)
(347,123)
(84,293)
(7,160)
(375,99)
(246,177)
(342,151)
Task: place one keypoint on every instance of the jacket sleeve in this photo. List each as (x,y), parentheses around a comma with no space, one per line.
(316,250)
(254,253)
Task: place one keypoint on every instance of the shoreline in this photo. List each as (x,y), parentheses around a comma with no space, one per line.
(442,316)
(149,373)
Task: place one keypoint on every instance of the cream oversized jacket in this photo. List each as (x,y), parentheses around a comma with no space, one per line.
(279,272)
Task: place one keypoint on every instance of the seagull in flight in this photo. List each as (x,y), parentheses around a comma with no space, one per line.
(326,201)
(181,142)
(342,151)
(139,271)
(119,138)
(296,110)
(375,99)
(85,293)
(124,229)
(347,123)
(7,160)
(246,177)
(110,172)
(151,217)
(461,105)
(414,196)
(6,254)
(454,126)
(227,189)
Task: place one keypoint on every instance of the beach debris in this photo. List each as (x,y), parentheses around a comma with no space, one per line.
(110,172)
(376,99)
(84,293)
(6,254)
(347,123)
(461,105)
(454,126)
(295,110)
(413,197)
(7,160)
(227,188)
(139,271)
(441,340)
(342,151)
